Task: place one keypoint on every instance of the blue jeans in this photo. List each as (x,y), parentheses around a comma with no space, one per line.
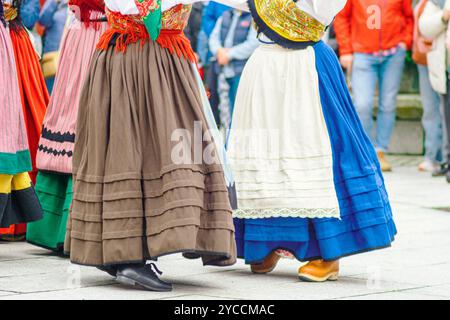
(234,84)
(368,70)
(432,118)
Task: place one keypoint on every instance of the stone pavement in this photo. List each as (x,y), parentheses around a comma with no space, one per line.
(416,267)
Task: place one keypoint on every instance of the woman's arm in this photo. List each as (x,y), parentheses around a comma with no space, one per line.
(214,39)
(245,49)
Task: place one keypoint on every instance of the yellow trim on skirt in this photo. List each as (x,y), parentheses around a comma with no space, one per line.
(9,183)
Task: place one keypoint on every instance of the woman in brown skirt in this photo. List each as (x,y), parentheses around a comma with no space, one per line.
(134,200)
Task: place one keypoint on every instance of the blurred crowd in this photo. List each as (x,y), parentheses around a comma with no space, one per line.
(371,37)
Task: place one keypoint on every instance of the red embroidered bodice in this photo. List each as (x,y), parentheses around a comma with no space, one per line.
(176,18)
(131,29)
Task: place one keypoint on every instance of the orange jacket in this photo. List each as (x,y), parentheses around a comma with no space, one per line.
(368,26)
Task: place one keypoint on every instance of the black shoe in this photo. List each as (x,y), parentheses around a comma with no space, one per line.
(111,270)
(142,276)
(447,176)
(441,171)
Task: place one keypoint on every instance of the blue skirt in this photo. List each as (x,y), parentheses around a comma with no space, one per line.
(366,221)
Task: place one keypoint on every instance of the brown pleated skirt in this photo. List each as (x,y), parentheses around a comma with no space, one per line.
(131,201)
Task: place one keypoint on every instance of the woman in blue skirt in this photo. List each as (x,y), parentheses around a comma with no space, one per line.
(308,180)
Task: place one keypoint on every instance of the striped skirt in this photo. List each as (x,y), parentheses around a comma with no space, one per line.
(57,140)
(33,90)
(134,198)
(14,154)
(55,152)
(18,202)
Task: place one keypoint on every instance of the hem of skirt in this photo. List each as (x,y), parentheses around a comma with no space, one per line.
(59,247)
(198,254)
(66,253)
(321,258)
(14,204)
(225,257)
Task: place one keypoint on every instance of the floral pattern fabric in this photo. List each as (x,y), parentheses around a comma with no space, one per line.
(151,13)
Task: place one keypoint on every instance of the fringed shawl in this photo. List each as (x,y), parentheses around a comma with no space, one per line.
(127,29)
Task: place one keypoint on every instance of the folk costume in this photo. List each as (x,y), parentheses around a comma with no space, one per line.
(134,200)
(308,181)
(33,92)
(18,201)
(55,151)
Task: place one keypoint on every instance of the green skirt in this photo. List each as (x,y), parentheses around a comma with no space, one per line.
(55,195)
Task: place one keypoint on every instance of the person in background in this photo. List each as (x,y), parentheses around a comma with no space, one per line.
(213,11)
(373,37)
(431,120)
(53,18)
(433,24)
(194,25)
(232,42)
(29,13)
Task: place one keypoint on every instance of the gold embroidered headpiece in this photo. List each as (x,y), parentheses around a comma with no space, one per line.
(285,23)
